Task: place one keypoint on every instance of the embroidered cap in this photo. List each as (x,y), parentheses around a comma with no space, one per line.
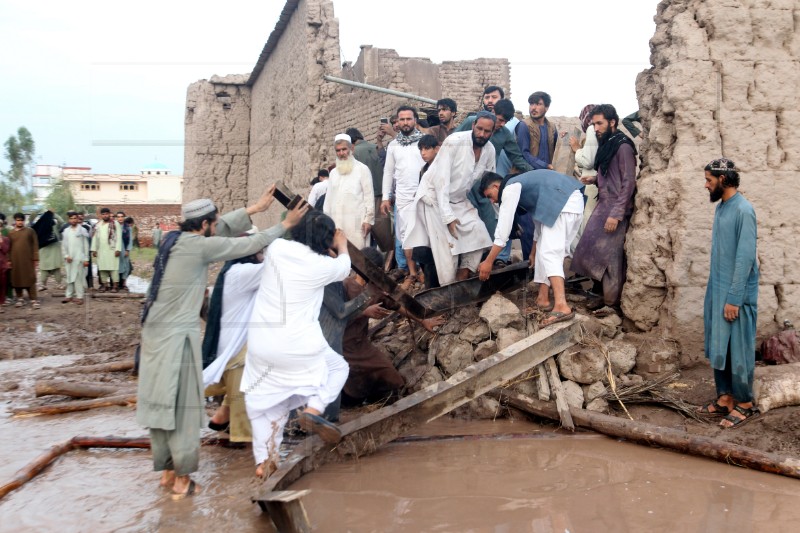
(342,137)
(197,208)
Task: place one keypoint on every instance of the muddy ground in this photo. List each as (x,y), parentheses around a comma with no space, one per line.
(107,330)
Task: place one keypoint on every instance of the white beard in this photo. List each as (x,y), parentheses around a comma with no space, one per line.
(345,166)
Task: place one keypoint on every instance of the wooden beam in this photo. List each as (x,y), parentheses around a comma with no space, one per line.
(286,510)
(367,433)
(661,437)
(561,399)
(543,387)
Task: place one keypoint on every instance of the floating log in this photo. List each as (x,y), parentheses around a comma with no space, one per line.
(561,400)
(33,468)
(74,406)
(115,366)
(78,389)
(367,433)
(651,435)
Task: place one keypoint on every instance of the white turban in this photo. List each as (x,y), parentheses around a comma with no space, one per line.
(342,137)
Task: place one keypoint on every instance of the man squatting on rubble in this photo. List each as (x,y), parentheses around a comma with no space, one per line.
(170,395)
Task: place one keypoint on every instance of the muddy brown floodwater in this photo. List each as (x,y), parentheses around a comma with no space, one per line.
(531,479)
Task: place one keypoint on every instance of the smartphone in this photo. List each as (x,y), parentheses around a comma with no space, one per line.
(384,120)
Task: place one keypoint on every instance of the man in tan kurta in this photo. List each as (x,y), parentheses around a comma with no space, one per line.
(24,260)
(170,395)
(106,248)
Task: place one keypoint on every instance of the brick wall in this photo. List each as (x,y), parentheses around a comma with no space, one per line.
(147,216)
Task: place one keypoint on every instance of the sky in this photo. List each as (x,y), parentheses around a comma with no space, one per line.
(103,84)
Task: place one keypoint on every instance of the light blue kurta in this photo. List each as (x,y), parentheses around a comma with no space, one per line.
(733,279)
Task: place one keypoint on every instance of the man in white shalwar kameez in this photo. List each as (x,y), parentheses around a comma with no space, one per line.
(75,249)
(289,363)
(441,215)
(350,201)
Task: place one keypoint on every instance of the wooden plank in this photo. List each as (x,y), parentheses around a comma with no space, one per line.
(543,386)
(561,399)
(661,437)
(287,512)
(366,434)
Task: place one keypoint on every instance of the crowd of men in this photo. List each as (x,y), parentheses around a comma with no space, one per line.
(47,247)
(443,187)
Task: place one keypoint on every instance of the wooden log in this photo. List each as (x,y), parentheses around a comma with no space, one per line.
(101,295)
(115,366)
(543,386)
(78,389)
(36,466)
(286,510)
(651,435)
(561,399)
(367,433)
(74,406)
(32,469)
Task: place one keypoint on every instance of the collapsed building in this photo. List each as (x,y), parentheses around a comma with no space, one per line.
(722,83)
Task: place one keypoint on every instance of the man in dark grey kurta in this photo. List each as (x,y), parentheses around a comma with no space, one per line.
(731,303)
(170,395)
(600,253)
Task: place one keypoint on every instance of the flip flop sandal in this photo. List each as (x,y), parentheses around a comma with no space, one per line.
(719,410)
(556,316)
(328,431)
(191,490)
(750,413)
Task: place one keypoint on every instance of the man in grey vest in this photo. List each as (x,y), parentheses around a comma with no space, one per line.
(555,203)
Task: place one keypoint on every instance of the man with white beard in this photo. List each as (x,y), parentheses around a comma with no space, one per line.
(350,201)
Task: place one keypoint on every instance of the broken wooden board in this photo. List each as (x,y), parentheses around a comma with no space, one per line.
(369,432)
(286,509)
(473,290)
(558,391)
(543,386)
(564,157)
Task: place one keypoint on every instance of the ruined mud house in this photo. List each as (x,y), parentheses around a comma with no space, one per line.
(723,81)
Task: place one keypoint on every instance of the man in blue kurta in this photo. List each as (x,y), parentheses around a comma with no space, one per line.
(730,308)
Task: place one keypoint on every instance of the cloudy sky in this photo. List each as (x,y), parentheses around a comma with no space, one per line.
(103,84)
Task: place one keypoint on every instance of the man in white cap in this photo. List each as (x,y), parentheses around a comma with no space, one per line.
(350,201)
(170,395)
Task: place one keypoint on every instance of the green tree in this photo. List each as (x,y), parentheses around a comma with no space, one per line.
(60,199)
(15,183)
(20,150)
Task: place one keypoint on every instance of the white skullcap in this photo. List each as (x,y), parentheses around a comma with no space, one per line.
(197,208)
(342,137)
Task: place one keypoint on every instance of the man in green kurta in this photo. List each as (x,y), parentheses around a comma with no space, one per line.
(731,303)
(75,248)
(170,395)
(107,247)
(157,236)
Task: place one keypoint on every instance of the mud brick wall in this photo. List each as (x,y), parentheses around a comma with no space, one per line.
(217,132)
(244,132)
(724,82)
(146,216)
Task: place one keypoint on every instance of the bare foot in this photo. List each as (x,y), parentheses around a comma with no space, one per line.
(184,486)
(265,469)
(167,478)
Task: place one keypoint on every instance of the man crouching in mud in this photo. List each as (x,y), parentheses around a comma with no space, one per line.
(170,395)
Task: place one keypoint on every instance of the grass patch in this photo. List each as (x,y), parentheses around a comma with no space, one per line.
(142,259)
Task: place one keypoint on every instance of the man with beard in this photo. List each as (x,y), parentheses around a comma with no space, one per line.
(731,303)
(170,395)
(541,145)
(106,248)
(401,175)
(367,153)
(350,201)
(447,110)
(445,218)
(24,260)
(600,254)
(555,203)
